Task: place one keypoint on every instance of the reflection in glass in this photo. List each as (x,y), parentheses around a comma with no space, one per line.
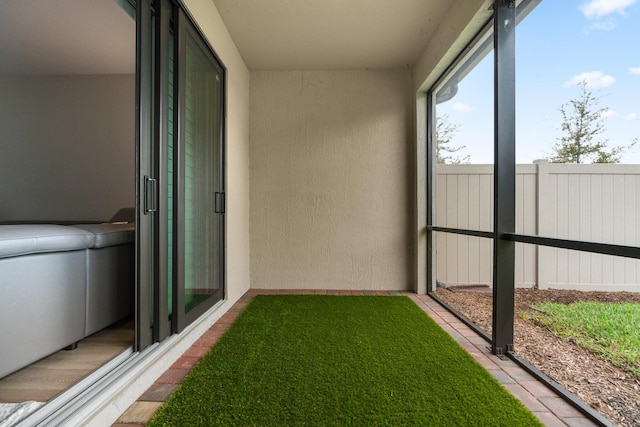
(203,177)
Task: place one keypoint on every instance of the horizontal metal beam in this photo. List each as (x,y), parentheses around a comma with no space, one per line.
(464,319)
(473,233)
(571,398)
(577,245)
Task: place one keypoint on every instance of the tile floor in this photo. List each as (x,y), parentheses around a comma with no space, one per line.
(543,402)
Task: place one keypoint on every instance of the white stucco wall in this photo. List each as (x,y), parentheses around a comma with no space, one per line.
(331,198)
(208,19)
(463,21)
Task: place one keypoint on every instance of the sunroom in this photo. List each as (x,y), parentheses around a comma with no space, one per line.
(291,145)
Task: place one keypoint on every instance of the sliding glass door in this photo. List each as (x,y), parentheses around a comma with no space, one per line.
(200,161)
(181,172)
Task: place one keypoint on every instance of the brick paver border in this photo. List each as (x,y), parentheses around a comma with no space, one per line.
(542,401)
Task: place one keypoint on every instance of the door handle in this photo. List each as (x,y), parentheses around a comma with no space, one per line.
(220,202)
(150,195)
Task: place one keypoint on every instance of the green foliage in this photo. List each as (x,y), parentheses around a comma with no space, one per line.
(582,125)
(610,331)
(330,360)
(445,153)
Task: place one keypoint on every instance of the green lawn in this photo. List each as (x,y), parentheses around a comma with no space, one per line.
(610,331)
(331,360)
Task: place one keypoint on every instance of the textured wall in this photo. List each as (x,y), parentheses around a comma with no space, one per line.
(67,145)
(331,180)
(463,21)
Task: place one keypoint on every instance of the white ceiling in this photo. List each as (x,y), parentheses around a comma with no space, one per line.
(59,37)
(331,34)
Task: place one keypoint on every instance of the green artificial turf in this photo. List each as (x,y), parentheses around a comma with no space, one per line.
(332,360)
(608,330)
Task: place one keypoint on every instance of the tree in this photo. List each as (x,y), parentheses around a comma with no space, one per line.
(582,126)
(445,131)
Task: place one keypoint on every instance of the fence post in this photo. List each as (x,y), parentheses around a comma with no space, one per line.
(543,222)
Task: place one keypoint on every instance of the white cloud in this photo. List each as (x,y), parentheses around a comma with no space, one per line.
(462,107)
(631,116)
(594,79)
(610,114)
(607,25)
(634,70)
(600,8)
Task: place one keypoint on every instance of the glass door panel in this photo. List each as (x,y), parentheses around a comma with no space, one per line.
(181,198)
(202,198)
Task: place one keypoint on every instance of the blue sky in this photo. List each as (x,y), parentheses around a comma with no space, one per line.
(560,43)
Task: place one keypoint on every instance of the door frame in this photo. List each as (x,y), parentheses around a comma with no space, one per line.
(185,27)
(154,22)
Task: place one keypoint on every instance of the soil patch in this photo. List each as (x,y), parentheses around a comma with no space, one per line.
(610,390)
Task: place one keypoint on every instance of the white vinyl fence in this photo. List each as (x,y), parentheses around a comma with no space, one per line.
(599,203)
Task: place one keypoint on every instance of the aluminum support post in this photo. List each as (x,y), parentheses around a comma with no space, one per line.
(504,175)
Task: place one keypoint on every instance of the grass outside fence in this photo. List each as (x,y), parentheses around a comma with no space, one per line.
(611,331)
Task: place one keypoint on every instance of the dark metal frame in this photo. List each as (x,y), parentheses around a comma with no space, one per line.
(504,237)
(180,319)
(164,14)
(541,376)
(144,220)
(430,176)
(462,231)
(566,394)
(577,245)
(431,152)
(154,21)
(504,196)
(177,321)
